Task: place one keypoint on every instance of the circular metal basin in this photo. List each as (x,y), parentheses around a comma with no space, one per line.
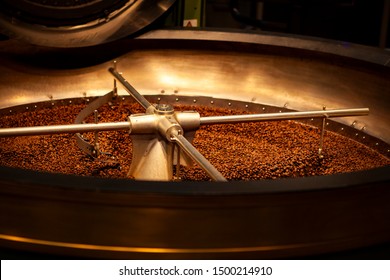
(91,217)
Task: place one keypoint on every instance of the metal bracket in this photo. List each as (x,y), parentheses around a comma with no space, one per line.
(84,145)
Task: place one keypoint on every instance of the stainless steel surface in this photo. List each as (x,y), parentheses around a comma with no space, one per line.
(284,116)
(268,69)
(66,128)
(193,153)
(152,158)
(132,16)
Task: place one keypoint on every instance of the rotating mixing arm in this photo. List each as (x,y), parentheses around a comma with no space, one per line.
(130,89)
(61,129)
(196,156)
(284,116)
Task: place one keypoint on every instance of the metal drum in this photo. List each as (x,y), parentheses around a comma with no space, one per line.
(77,23)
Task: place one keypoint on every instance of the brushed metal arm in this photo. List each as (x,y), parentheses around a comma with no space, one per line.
(284,116)
(196,156)
(66,128)
(130,89)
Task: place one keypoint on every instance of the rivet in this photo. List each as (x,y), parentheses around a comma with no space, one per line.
(212,101)
(229,104)
(246,106)
(159,99)
(342,128)
(10,111)
(376,144)
(87,99)
(194,100)
(123,99)
(26,108)
(70,101)
(327,123)
(364,137)
(177,99)
(263,108)
(52,104)
(312,119)
(357,134)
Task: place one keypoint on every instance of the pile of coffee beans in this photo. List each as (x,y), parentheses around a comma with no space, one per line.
(246,151)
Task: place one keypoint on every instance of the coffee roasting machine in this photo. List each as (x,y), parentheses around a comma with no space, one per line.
(101,53)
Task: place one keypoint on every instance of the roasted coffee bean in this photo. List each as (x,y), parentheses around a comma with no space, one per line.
(247,151)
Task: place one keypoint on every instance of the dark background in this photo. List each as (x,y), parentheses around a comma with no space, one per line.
(358,21)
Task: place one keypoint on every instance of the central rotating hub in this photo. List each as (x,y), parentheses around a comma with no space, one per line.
(164,109)
(156,142)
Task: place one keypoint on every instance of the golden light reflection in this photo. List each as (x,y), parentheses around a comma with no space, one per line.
(155,250)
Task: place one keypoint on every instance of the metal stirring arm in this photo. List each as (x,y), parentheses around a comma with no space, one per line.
(284,116)
(91,127)
(130,89)
(196,156)
(62,129)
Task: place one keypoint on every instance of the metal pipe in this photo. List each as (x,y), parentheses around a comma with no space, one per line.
(130,89)
(322,136)
(60,129)
(284,116)
(196,156)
